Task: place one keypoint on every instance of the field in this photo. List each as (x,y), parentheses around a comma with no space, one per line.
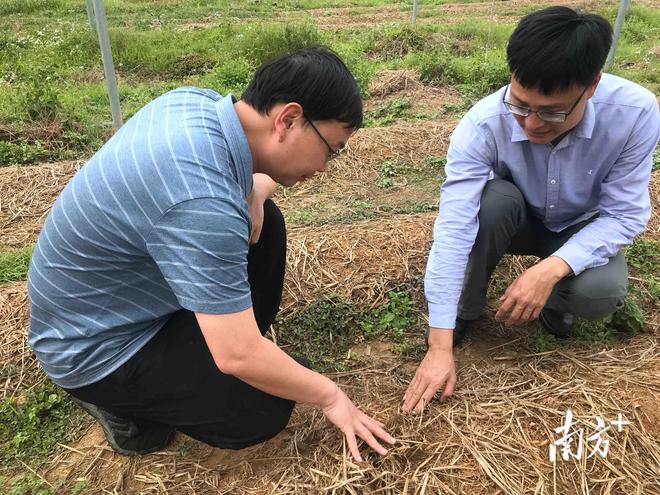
(358,241)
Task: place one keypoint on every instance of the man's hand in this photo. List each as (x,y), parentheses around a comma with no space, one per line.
(436,369)
(351,421)
(524,299)
(263,188)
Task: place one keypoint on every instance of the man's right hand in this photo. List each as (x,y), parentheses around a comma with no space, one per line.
(351,421)
(436,369)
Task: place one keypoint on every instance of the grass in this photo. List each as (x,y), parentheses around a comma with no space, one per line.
(51,76)
(32,428)
(325,330)
(14,264)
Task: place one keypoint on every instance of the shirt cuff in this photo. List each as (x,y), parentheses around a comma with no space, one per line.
(442,316)
(576,258)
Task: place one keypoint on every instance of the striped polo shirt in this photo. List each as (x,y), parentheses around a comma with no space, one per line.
(156,221)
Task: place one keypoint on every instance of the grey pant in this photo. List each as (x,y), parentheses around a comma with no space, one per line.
(507,226)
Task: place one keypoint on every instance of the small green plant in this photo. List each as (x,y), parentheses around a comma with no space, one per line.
(14,264)
(629,318)
(387,112)
(322,331)
(435,162)
(392,318)
(32,428)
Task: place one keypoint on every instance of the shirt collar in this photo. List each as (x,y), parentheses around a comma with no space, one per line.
(584,129)
(236,141)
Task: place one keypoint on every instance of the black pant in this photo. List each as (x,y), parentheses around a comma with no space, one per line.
(173,380)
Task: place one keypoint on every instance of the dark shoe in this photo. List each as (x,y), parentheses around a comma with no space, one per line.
(460,329)
(557,323)
(125,436)
(303,361)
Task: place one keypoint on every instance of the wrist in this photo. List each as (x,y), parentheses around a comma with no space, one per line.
(557,267)
(328,394)
(440,339)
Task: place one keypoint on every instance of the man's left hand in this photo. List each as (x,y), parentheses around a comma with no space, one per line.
(524,299)
(263,188)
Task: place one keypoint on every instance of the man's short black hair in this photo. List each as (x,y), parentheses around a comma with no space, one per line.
(316,78)
(555,48)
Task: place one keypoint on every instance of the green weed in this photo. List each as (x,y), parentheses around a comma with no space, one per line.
(31,429)
(14,264)
(322,332)
(325,330)
(391,319)
(396,43)
(387,112)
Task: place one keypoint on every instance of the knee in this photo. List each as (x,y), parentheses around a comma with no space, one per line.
(595,298)
(273,218)
(501,200)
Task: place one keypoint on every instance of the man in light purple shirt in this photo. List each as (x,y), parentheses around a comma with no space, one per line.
(555,164)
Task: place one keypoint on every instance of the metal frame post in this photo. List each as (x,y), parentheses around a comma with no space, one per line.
(414,12)
(89,5)
(624,7)
(108,65)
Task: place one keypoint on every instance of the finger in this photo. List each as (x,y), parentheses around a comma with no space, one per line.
(536,313)
(528,314)
(449,387)
(413,393)
(352,445)
(504,308)
(514,317)
(368,437)
(376,427)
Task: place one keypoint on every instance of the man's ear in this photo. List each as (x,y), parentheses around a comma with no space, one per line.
(287,117)
(594,85)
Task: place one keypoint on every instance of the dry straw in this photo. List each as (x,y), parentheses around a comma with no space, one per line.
(26,195)
(492,437)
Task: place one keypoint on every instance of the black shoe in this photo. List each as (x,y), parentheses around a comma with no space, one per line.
(460,329)
(303,361)
(125,436)
(557,323)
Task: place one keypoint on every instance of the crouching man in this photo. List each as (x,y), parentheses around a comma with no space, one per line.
(161,265)
(555,164)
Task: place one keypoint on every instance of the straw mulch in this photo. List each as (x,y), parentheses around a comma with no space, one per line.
(19,370)
(360,261)
(652,231)
(405,83)
(26,195)
(492,437)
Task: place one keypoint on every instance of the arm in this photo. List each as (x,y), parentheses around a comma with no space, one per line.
(238,349)
(468,168)
(624,200)
(624,210)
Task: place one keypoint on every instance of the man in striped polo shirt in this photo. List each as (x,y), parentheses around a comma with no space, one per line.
(161,264)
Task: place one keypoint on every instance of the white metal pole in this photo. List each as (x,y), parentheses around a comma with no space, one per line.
(108,66)
(90,15)
(414,13)
(624,7)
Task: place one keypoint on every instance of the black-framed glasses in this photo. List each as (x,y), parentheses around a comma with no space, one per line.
(332,153)
(544,115)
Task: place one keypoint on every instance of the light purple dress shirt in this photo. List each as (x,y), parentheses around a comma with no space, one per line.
(601,166)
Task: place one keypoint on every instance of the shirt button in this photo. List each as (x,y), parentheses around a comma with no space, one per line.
(552,206)
(553,181)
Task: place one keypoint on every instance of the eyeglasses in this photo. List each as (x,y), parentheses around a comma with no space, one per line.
(544,115)
(332,153)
